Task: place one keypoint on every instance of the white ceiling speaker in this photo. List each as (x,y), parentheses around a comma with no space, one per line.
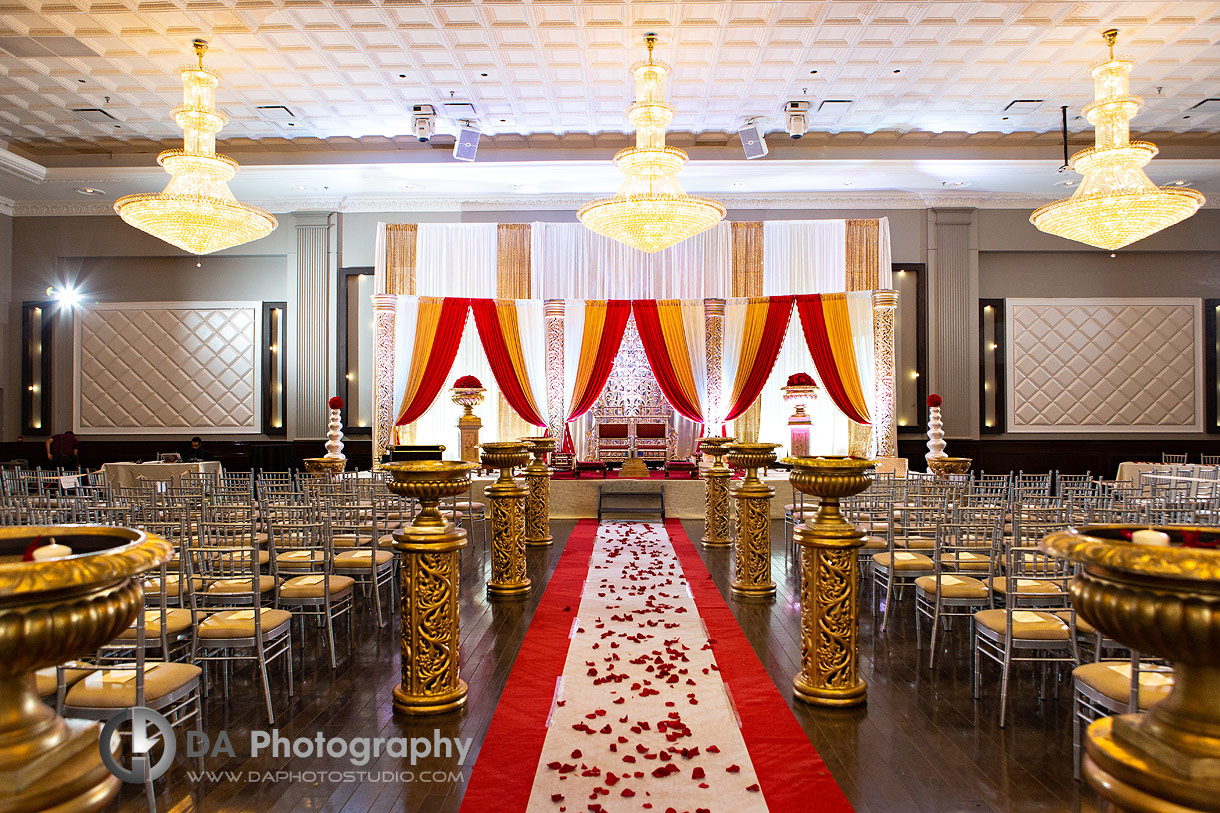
(423,121)
(467,144)
(752,141)
(797,115)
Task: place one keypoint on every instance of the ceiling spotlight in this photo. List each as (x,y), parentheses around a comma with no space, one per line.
(1066,183)
(423,121)
(1180,183)
(467,144)
(954,183)
(88,190)
(797,114)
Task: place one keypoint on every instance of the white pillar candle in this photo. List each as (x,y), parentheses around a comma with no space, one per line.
(51,550)
(1147,536)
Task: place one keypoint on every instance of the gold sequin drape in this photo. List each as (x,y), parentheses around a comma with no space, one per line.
(513,282)
(747,280)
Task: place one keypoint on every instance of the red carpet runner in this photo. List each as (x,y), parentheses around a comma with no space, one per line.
(643,720)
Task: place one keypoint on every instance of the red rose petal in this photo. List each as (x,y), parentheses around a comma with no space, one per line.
(556,797)
(697,773)
(733,768)
(753,788)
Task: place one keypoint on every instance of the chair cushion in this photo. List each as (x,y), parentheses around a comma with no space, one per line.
(314,586)
(173,585)
(244,556)
(299,559)
(953,586)
(467,505)
(1083,627)
(1026,625)
(116,688)
(965,560)
(386,541)
(1027,586)
(47,683)
(232,586)
(240,623)
(875,543)
(903,561)
(176,620)
(915,542)
(1113,679)
(348,540)
(361,558)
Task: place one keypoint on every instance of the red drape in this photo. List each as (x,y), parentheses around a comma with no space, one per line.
(495,345)
(813,322)
(648,322)
(779,311)
(449,329)
(618,311)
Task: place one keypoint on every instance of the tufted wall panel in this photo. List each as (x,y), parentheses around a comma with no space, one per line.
(1104,365)
(162,368)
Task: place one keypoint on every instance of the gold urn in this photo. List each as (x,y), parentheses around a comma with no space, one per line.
(52,611)
(1162,601)
(716,448)
(334,466)
(942,467)
(467,398)
(751,456)
(504,455)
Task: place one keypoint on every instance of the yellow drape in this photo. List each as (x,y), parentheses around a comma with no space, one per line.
(426,320)
(669,314)
(838,331)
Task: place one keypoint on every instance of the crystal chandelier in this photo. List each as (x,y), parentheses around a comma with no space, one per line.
(197,212)
(650,211)
(1116,203)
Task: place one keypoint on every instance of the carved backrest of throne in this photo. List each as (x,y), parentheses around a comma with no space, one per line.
(633,398)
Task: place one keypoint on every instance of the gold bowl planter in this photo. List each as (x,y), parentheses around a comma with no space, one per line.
(751,456)
(830,582)
(1162,601)
(51,611)
(429,481)
(325,465)
(944,466)
(467,398)
(716,447)
(504,455)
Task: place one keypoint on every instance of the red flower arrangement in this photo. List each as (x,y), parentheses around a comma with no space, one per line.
(335,402)
(934,400)
(467,382)
(800,380)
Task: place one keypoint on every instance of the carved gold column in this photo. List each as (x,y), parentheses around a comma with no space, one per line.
(507,497)
(830,583)
(383,372)
(716,494)
(51,611)
(553,310)
(713,319)
(538,501)
(885,433)
(431,683)
(752,555)
(862,241)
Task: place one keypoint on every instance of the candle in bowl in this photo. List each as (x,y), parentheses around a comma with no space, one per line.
(1147,536)
(51,550)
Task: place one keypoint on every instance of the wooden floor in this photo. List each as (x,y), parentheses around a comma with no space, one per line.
(921,744)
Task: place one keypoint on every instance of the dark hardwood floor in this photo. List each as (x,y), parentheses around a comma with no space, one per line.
(920,744)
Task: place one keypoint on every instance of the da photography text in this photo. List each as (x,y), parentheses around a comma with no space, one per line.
(360,751)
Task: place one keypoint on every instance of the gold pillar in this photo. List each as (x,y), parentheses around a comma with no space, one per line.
(507,498)
(713,325)
(830,583)
(398,279)
(430,588)
(885,432)
(716,495)
(553,310)
(747,280)
(752,554)
(538,501)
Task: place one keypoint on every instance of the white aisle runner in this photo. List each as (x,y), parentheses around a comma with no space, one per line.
(642,720)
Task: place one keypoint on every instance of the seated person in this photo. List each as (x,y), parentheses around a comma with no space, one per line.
(63,451)
(197,452)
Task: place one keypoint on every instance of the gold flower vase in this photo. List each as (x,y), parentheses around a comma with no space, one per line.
(1162,601)
(942,467)
(52,611)
(507,498)
(752,555)
(468,423)
(538,500)
(830,582)
(716,531)
(431,589)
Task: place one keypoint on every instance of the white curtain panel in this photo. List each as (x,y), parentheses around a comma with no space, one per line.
(802,257)
(694,322)
(573,335)
(379,261)
(885,266)
(458,259)
(570,262)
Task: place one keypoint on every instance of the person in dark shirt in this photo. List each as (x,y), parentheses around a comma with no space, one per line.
(197,452)
(63,450)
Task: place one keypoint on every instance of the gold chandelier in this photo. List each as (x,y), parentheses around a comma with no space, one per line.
(1116,203)
(650,211)
(197,212)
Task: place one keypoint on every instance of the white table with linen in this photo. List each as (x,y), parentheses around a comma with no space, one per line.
(129,475)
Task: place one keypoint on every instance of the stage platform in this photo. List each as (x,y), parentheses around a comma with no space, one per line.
(577,499)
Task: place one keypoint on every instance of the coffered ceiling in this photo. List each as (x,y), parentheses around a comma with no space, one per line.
(350,69)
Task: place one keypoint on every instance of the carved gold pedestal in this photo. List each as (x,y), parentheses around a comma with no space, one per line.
(507,498)
(752,554)
(52,611)
(1164,602)
(538,502)
(716,494)
(942,467)
(429,546)
(468,423)
(830,582)
(333,466)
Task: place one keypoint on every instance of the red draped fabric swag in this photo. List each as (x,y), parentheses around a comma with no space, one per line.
(495,345)
(445,344)
(618,311)
(813,322)
(779,311)
(648,321)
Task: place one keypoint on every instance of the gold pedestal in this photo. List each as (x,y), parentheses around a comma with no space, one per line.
(507,499)
(1165,602)
(633,468)
(333,466)
(538,502)
(52,611)
(752,554)
(468,423)
(431,588)
(830,582)
(716,494)
(942,467)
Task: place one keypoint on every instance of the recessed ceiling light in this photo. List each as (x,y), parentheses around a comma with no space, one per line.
(518,185)
(897,70)
(1003,118)
(954,183)
(736,184)
(814,71)
(300,189)
(82,81)
(89,190)
(482,74)
(408,186)
(1066,183)
(848,183)
(1180,183)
